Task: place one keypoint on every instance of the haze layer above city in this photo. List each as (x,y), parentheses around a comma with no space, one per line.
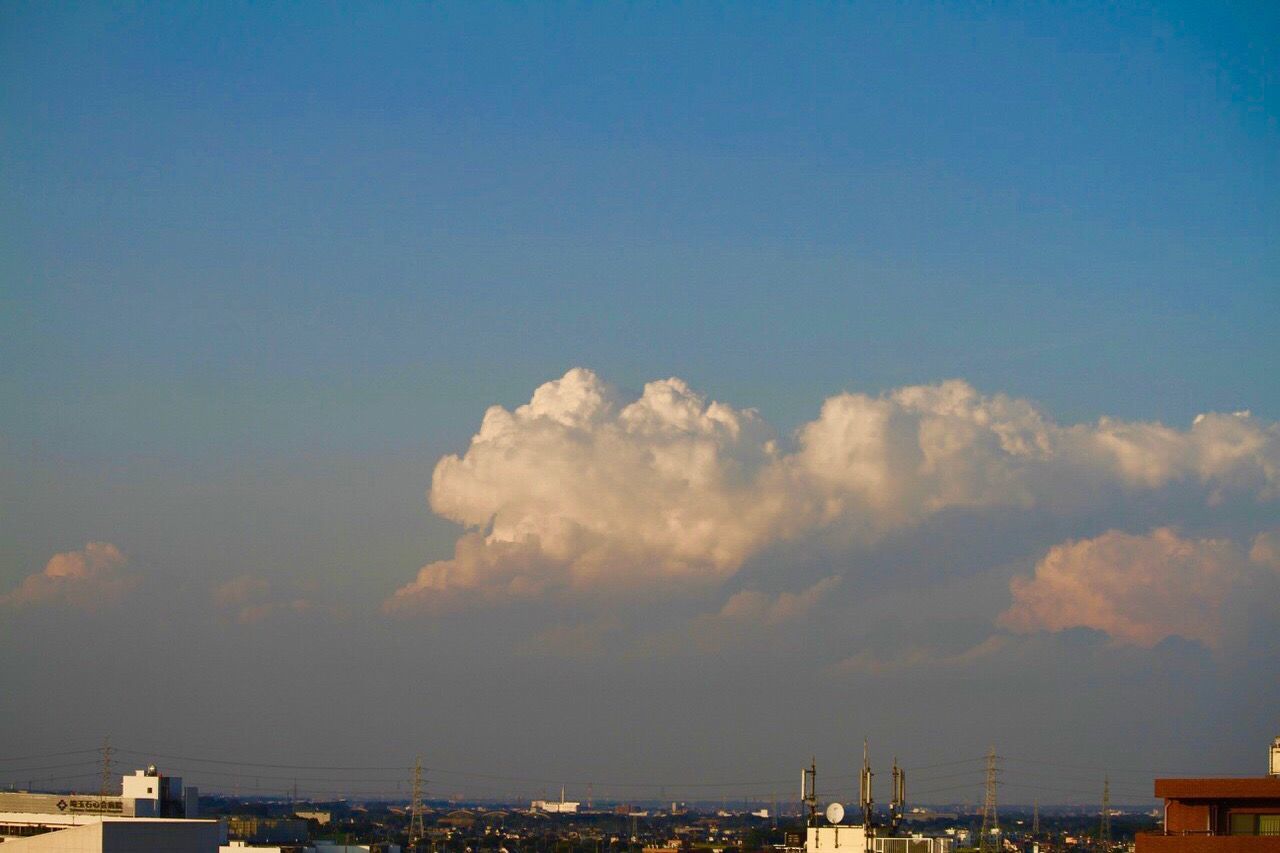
(649,396)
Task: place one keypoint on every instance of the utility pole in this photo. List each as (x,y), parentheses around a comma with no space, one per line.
(990,841)
(1104,829)
(415,808)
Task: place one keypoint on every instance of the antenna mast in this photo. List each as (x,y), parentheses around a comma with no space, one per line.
(898,803)
(864,787)
(809,791)
(990,841)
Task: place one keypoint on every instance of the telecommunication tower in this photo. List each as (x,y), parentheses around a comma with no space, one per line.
(415,809)
(809,791)
(1104,828)
(990,841)
(898,803)
(864,788)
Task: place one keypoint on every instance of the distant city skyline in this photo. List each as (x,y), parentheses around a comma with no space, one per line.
(656,395)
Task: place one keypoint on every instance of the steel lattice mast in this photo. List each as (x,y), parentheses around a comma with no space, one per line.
(990,841)
(1104,828)
(415,813)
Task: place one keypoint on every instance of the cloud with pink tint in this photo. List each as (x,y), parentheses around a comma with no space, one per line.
(747,618)
(582,642)
(579,491)
(250,599)
(751,605)
(480,571)
(920,657)
(1138,589)
(85,580)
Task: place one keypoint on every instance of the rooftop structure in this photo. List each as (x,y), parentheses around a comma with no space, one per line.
(153,812)
(1219,815)
(562,806)
(124,835)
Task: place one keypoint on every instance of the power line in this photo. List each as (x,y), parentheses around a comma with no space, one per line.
(947,763)
(255,763)
(51,754)
(37,769)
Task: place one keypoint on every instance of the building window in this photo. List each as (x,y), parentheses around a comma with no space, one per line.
(1255,824)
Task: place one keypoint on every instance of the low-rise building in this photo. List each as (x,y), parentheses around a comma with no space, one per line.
(915,843)
(1219,815)
(151,805)
(124,835)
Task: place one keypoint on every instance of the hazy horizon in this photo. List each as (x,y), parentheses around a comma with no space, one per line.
(641,396)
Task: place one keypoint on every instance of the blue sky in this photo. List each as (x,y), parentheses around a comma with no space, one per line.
(264,265)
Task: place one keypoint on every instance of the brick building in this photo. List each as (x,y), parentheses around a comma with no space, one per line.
(1219,815)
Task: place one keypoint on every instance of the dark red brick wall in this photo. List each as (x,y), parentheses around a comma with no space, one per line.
(1152,843)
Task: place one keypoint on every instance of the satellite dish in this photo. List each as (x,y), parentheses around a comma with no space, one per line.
(835,813)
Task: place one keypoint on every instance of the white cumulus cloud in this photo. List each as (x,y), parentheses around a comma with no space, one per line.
(581,490)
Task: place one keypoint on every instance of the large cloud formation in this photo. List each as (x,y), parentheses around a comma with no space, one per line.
(84,579)
(579,490)
(1139,589)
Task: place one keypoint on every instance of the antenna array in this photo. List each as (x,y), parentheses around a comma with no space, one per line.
(809,791)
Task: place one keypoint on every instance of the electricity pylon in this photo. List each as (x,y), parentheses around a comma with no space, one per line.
(415,808)
(1104,828)
(990,841)
(106,767)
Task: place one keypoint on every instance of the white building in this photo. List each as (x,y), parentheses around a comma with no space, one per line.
(853,839)
(154,812)
(320,847)
(835,839)
(912,844)
(563,806)
(124,835)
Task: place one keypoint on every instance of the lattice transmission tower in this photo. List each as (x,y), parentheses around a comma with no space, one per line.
(415,809)
(990,841)
(1104,827)
(106,767)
